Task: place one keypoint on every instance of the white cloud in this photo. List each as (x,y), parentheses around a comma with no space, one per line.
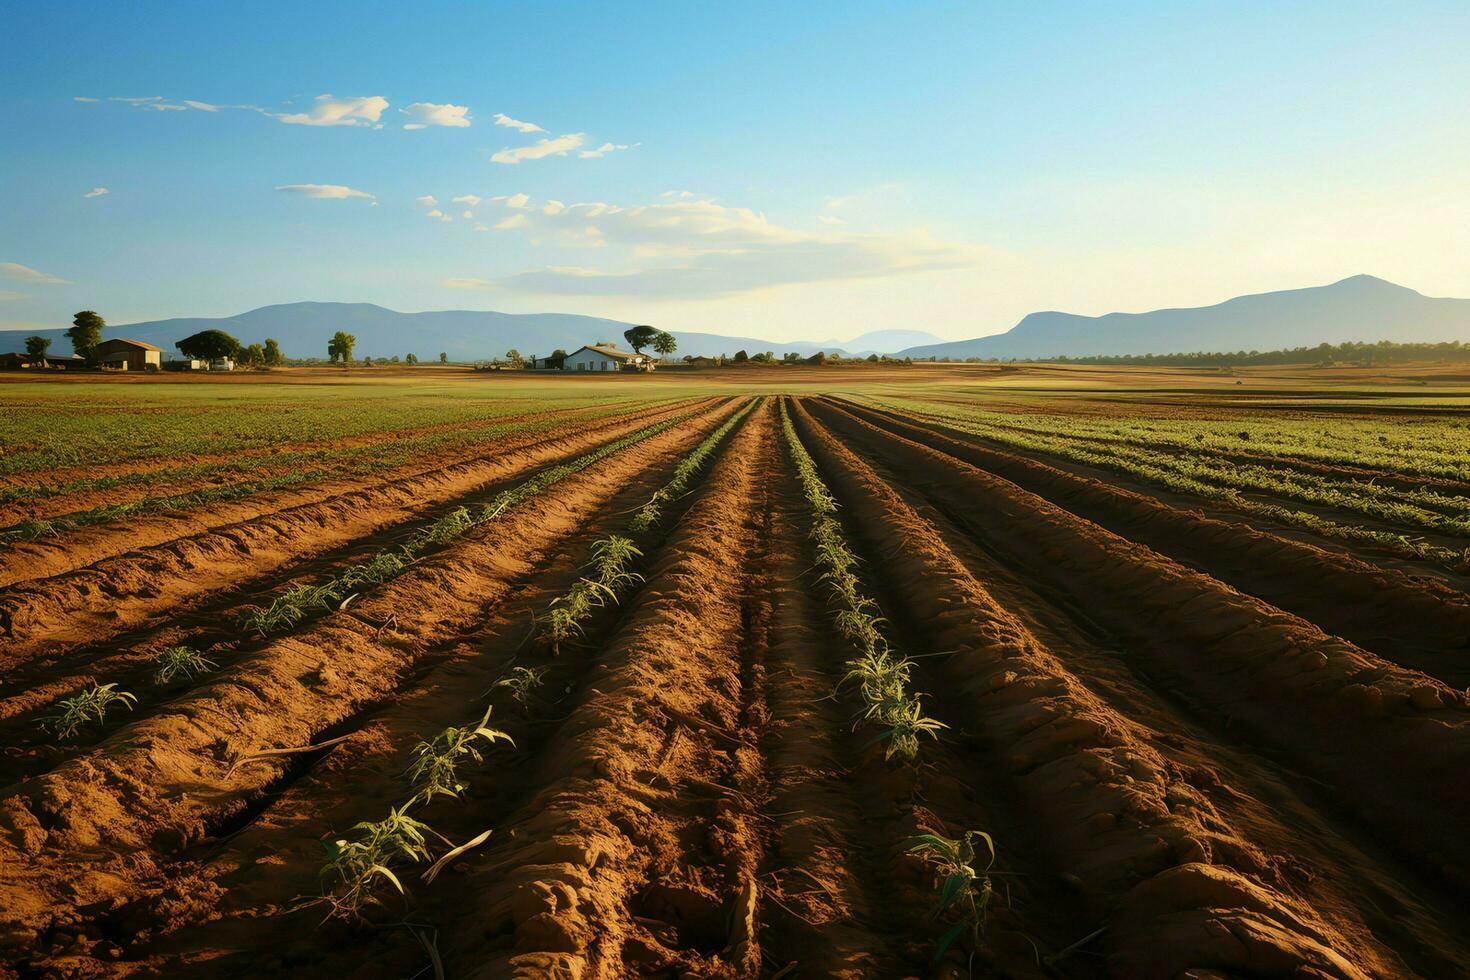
(682,195)
(428,200)
(513,201)
(436,213)
(97,192)
(329,111)
(602,150)
(204,106)
(166,107)
(560,146)
(470,199)
(467,215)
(83,98)
(434,114)
(501,119)
(331,192)
(699,249)
(21,273)
(138,101)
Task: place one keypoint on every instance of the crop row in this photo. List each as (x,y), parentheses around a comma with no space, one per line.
(1181,476)
(289,608)
(882,679)
(127,423)
(358,870)
(1401,446)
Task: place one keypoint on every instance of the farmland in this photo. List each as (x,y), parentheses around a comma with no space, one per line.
(928,671)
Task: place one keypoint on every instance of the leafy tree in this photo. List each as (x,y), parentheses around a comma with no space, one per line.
(253,356)
(557,359)
(209,345)
(85,333)
(514,359)
(37,346)
(640,337)
(367,362)
(339,348)
(395,358)
(665,343)
(741,357)
(872,358)
(273,355)
(791,357)
(443,357)
(410,359)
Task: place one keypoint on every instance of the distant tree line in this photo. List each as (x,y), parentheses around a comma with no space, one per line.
(1381,354)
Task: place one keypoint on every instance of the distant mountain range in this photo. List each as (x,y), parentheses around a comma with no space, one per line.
(303,330)
(1361,308)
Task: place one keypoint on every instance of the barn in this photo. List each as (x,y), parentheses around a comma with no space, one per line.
(122,354)
(598,358)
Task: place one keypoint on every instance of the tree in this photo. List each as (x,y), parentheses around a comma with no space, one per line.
(395,358)
(514,359)
(640,337)
(791,357)
(209,345)
(37,346)
(410,359)
(367,362)
(741,357)
(85,333)
(273,355)
(443,357)
(253,356)
(340,347)
(556,360)
(665,343)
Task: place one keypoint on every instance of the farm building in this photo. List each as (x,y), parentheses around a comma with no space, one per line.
(122,354)
(597,358)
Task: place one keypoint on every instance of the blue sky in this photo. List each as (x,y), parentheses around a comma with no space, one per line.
(782,170)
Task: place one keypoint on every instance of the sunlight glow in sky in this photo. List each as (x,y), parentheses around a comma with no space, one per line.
(772,169)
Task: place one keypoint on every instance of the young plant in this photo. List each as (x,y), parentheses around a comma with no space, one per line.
(523,682)
(436,763)
(356,868)
(649,514)
(180,662)
(88,705)
(610,558)
(963,891)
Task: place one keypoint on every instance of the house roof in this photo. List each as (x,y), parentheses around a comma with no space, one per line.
(131,343)
(615,354)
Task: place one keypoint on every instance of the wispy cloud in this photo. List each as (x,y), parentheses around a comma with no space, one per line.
(559,146)
(83,98)
(501,119)
(7,295)
(328,110)
(428,200)
(426,114)
(143,100)
(699,249)
(21,273)
(328,192)
(97,192)
(471,199)
(602,150)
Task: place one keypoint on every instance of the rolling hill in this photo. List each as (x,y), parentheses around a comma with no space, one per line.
(1361,308)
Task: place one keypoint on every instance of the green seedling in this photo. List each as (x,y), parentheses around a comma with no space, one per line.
(355,868)
(435,769)
(963,891)
(180,662)
(89,705)
(523,682)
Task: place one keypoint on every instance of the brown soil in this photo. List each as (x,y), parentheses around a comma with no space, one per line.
(1202,750)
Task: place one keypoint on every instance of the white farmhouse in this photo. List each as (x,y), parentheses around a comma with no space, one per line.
(595,358)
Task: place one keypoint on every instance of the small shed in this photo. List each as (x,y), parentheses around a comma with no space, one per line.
(597,358)
(122,354)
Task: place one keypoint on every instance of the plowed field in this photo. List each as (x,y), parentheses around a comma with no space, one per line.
(1203,740)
